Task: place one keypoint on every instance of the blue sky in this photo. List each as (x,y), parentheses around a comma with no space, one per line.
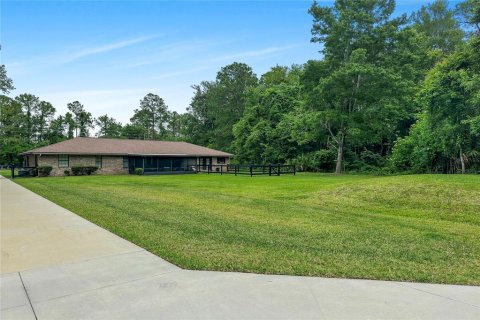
(108,54)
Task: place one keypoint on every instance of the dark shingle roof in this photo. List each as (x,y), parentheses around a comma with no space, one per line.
(102,146)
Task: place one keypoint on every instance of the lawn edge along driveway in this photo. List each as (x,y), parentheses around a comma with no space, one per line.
(420,228)
(124,281)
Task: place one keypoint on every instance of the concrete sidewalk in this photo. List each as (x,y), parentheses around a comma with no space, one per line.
(56,265)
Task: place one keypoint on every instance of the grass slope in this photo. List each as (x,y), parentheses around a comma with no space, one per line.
(410,228)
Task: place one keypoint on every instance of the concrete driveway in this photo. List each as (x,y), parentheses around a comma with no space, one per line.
(56,265)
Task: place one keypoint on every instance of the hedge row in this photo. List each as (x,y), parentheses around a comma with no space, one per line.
(83,170)
(44,171)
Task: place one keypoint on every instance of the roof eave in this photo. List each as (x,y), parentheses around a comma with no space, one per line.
(128,154)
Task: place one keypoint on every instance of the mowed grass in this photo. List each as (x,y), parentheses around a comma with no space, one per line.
(409,228)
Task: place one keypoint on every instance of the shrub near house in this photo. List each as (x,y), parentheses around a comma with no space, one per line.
(44,171)
(83,170)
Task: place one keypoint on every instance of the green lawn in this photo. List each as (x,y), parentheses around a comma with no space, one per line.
(411,228)
(7,172)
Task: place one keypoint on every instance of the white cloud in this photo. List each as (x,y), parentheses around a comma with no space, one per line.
(178,51)
(69,57)
(169,52)
(260,53)
(71,54)
(182,73)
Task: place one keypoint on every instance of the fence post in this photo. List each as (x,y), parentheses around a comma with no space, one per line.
(251,173)
(294,169)
(235,170)
(208,169)
(278,169)
(270,169)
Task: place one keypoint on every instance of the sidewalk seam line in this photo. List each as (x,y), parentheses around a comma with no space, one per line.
(105,286)
(28,297)
(60,264)
(439,295)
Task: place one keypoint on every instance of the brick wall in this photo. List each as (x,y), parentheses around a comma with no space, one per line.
(110,164)
(51,160)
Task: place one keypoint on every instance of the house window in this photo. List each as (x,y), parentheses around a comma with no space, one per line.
(98,161)
(63,160)
(125,162)
(221,160)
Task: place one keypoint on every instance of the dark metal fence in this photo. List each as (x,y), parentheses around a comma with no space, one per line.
(236,169)
(247,169)
(21,171)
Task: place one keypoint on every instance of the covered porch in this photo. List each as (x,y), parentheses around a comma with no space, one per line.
(162,164)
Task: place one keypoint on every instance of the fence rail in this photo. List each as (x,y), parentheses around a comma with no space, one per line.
(21,171)
(236,169)
(247,169)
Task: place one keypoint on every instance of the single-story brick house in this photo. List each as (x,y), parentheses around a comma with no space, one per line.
(121,156)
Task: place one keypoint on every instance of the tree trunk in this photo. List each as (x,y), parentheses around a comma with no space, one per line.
(462,161)
(338,168)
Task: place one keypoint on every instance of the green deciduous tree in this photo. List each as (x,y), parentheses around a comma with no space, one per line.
(70,125)
(36,115)
(134,131)
(84,120)
(152,115)
(199,120)
(6,84)
(57,130)
(469,15)
(451,97)
(355,83)
(176,125)
(85,123)
(30,105)
(264,133)
(42,120)
(437,21)
(446,137)
(108,127)
(217,106)
(13,136)
(26,122)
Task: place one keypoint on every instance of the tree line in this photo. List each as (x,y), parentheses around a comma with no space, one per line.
(27,122)
(387,94)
